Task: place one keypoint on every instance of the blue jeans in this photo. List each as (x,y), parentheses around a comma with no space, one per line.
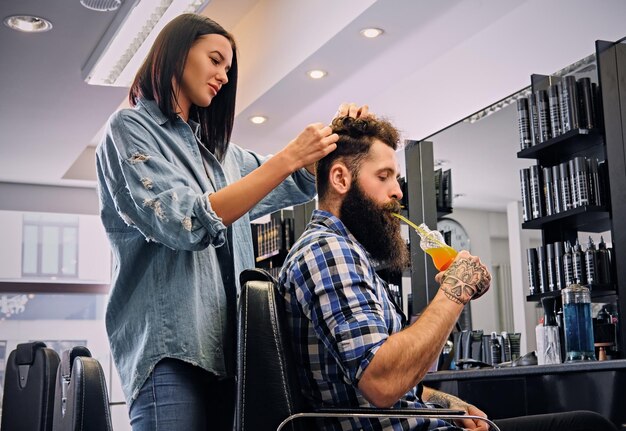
(181,396)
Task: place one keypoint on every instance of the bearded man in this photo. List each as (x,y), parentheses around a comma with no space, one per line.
(349,339)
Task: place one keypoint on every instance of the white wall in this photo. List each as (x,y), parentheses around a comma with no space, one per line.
(94,256)
(482,226)
(11,250)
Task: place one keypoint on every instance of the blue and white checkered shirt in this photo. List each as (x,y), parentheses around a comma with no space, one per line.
(340,313)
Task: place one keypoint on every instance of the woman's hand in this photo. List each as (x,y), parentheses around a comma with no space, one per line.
(313,143)
(344,110)
(353,110)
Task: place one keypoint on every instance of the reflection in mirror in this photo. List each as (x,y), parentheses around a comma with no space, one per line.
(481,151)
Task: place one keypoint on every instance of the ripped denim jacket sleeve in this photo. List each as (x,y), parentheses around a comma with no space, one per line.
(153,189)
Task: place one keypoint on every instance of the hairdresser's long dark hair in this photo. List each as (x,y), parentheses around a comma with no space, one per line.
(166,60)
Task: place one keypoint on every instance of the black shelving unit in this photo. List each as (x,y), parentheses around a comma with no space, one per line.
(273,240)
(607,142)
(421,208)
(421,197)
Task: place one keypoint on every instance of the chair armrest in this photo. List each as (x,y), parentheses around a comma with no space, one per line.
(365,412)
(391,412)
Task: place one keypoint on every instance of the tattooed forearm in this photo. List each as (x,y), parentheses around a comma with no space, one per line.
(440,399)
(464,280)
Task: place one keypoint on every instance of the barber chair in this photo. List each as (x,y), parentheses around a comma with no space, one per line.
(81,401)
(29,388)
(268,390)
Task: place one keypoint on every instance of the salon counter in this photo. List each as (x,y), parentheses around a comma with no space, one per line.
(599,386)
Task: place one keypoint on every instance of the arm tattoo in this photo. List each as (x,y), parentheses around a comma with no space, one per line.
(464,280)
(440,399)
(447,401)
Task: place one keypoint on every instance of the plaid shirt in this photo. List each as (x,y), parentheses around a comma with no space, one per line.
(340,313)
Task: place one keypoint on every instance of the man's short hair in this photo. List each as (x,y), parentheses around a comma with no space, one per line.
(356,136)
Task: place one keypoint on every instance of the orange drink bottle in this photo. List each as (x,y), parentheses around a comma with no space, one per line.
(431,241)
(442,256)
(433,244)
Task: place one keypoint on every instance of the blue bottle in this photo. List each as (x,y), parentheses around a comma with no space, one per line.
(578,324)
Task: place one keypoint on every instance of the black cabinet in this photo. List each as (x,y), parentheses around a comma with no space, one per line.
(540,389)
(605,142)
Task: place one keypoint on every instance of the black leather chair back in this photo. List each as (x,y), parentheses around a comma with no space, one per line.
(29,388)
(268,390)
(81,402)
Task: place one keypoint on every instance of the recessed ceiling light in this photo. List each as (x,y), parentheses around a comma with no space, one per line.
(28,23)
(316,74)
(258,119)
(372,32)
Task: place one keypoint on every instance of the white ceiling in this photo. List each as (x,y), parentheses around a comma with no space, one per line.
(438,62)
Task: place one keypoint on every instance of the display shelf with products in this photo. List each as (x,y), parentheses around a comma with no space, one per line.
(573,127)
(570,143)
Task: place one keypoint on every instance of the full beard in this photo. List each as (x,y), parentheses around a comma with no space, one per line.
(375,228)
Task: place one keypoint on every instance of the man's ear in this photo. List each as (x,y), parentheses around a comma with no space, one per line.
(340,178)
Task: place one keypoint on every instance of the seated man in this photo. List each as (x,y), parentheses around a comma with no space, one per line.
(348,338)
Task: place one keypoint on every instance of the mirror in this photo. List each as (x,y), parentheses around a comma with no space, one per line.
(481,150)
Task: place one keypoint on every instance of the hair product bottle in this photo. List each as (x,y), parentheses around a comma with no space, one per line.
(585,93)
(543,269)
(568,264)
(523,123)
(581,181)
(591,264)
(595,197)
(548,340)
(534,119)
(533,273)
(550,267)
(578,264)
(543,114)
(569,104)
(555,109)
(566,196)
(573,184)
(536,202)
(603,263)
(559,269)
(496,349)
(556,189)
(524,175)
(547,191)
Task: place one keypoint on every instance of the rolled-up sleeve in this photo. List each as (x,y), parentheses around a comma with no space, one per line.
(337,295)
(296,189)
(153,194)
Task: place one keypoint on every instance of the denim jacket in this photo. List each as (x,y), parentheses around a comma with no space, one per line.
(170,290)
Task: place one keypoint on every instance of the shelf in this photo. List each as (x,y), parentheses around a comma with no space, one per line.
(596,291)
(563,146)
(588,218)
(268,255)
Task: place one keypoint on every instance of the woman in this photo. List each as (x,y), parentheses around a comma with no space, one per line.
(176,201)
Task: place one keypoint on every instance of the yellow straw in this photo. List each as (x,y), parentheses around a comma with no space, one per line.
(418,229)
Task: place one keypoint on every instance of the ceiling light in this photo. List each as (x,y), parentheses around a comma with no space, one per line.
(28,23)
(317,74)
(126,43)
(258,119)
(372,32)
(101,5)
